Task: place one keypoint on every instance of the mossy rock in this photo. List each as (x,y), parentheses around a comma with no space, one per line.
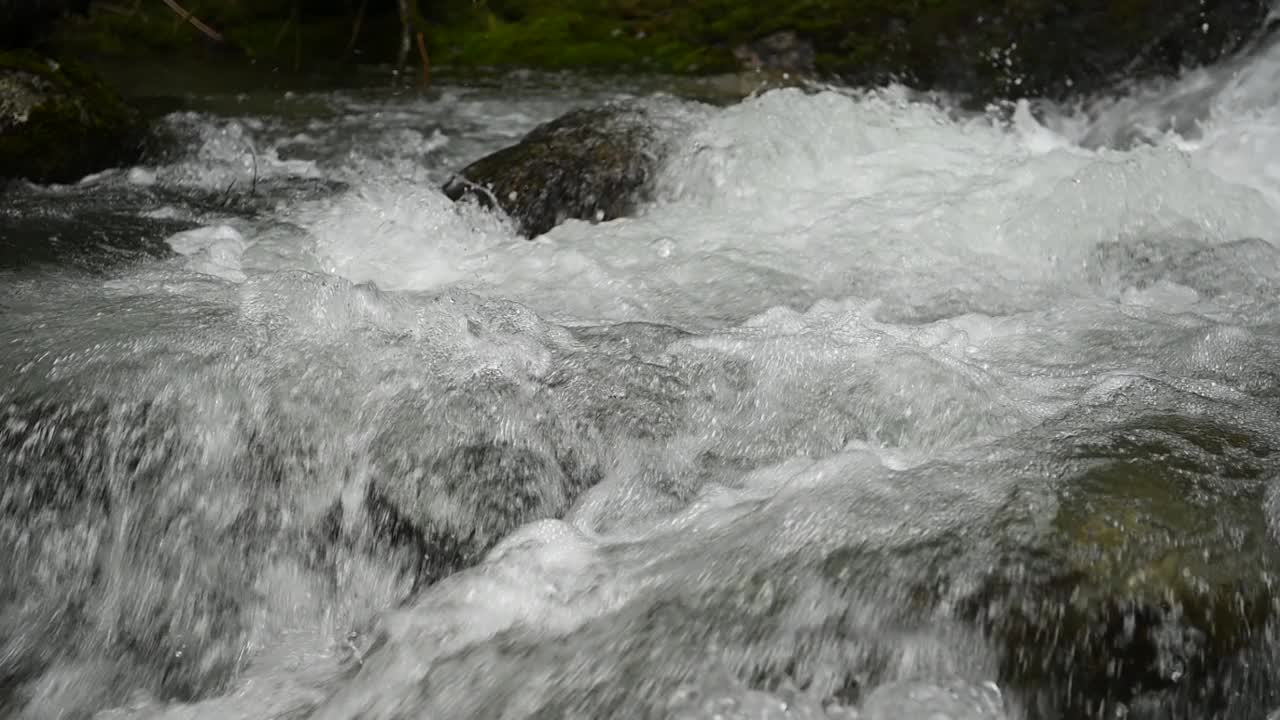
(591,164)
(1137,584)
(1152,581)
(59,123)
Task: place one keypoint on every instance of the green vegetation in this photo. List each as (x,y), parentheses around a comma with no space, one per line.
(569,38)
(988,47)
(459,33)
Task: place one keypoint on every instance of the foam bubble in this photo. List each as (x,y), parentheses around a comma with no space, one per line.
(214,250)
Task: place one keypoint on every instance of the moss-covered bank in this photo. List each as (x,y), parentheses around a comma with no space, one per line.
(983,47)
(59,122)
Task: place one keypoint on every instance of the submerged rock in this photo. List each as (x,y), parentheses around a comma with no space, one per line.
(1150,584)
(591,164)
(444,496)
(83,238)
(1135,584)
(455,505)
(59,123)
(114,567)
(955,700)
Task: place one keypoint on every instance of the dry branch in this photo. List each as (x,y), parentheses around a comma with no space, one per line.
(186,16)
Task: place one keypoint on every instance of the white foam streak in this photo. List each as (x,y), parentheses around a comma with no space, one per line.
(402,237)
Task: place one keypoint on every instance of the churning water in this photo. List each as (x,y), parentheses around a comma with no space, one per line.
(770,449)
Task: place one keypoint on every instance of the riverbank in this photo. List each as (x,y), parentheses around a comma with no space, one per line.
(979,50)
(984,48)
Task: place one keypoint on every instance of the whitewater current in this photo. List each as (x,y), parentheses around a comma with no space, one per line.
(336,447)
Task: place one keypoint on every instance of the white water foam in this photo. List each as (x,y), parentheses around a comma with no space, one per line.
(212,250)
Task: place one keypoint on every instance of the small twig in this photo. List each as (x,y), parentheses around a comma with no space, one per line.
(353,648)
(186,16)
(226,194)
(253,185)
(426,64)
(477,187)
(355,28)
(406,22)
(284,30)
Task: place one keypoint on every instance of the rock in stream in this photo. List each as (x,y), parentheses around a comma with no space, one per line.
(590,164)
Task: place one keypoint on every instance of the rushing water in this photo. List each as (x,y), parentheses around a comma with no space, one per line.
(287,434)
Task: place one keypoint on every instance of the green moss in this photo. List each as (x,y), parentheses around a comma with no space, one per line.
(568,39)
(75,126)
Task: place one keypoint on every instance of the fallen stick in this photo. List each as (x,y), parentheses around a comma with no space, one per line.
(355,29)
(426,64)
(186,16)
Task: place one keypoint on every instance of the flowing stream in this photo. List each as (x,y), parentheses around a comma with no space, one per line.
(284,433)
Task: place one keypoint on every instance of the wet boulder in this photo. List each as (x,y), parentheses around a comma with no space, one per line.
(1134,583)
(487,460)
(58,122)
(590,164)
(78,231)
(1131,575)
(1000,49)
(1144,586)
(455,504)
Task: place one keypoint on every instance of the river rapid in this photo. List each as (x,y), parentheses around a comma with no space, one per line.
(284,433)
